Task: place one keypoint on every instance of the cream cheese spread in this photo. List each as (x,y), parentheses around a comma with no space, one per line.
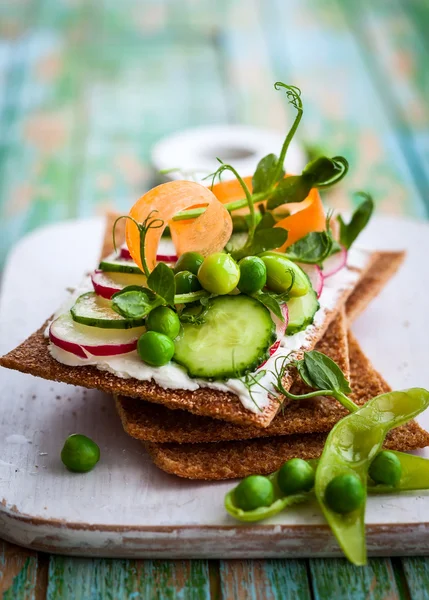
(173,376)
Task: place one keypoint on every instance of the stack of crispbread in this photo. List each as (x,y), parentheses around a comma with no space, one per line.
(206,434)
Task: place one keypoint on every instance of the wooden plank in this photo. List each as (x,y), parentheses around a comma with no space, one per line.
(416,570)
(247,68)
(419,12)
(343,113)
(39,166)
(397,62)
(22,573)
(133,102)
(337,578)
(264,579)
(90,579)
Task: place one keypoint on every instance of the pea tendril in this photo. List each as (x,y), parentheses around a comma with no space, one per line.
(149,223)
(250,202)
(293,95)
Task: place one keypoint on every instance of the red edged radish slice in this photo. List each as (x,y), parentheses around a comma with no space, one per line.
(281,327)
(315,276)
(84,341)
(274,348)
(167,258)
(124,253)
(335,262)
(107,284)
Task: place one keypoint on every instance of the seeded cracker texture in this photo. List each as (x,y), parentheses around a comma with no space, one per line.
(155,423)
(265,455)
(33,357)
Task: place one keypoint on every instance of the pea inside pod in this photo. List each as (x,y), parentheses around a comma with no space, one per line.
(415,476)
(284,275)
(350,448)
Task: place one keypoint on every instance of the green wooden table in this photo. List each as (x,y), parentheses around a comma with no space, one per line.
(88,86)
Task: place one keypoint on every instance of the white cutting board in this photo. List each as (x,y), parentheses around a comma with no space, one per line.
(126,506)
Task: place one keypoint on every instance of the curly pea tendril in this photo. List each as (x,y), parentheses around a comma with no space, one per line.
(349,450)
(268,181)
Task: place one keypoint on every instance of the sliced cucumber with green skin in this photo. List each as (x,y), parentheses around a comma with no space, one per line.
(234,339)
(119,265)
(90,309)
(301,311)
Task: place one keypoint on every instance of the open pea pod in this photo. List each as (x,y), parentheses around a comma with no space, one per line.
(350,447)
(414,475)
(264,512)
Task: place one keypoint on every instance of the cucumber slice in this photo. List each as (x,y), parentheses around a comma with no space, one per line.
(119,265)
(90,309)
(234,339)
(301,311)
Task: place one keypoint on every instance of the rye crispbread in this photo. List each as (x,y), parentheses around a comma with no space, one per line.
(384,267)
(156,423)
(33,357)
(228,460)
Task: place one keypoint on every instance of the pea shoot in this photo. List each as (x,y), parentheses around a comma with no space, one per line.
(352,463)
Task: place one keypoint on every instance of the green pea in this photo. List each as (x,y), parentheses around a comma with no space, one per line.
(163,320)
(253,492)
(186,282)
(386,468)
(295,476)
(280,271)
(155,349)
(189,261)
(219,273)
(253,274)
(345,493)
(80,454)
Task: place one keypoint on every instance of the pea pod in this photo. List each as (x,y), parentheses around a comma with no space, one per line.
(349,449)
(415,476)
(264,512)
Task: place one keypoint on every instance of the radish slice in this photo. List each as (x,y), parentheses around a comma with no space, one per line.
(281,327)
(124,253)
(83,341)
(335,262)
(315,276)
(167,258)
(107,284)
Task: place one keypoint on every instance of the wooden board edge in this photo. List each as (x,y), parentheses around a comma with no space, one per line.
(212,541)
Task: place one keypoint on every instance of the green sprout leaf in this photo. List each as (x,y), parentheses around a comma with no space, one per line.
(324,373)
(267,222)
(265,171)
(324,172)
(134,302)
(303,373)
(263,240)
(349,232)
(292,189)
(162,282)
(312,249)
(271,302)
